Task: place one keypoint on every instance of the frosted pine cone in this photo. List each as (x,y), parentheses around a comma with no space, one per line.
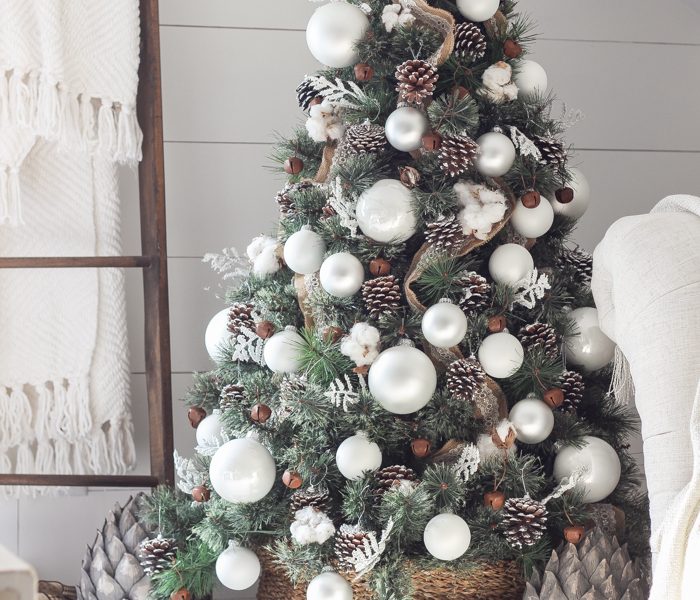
(286,201)
(156,554)
(571,383)
(348,539)
(477,293)
(552,151)
(470,43)
(524,521)
(316,498)
(365,139)
(231,395)
(457,154)
(540,335)
(445,234)
(464,377)
(580,263)
(389,477)
(305,94)
(381,295)
(240,315)
(416,81)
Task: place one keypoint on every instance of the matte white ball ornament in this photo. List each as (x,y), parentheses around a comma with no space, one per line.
(496,154)
(209,428)
(405,128)
(217,333)
(357,454)
(329,586)
(532,222)
(601,466)
(282,352)
(531,79)
(582,197)
(242,470)
(237,568)
(447,536)
(501,354)
(333,31)
(477,10)
(510,263)
(533,420)
(402,379)
(342,275)
(385,212)
(303,251)
(588,347)
(444,324)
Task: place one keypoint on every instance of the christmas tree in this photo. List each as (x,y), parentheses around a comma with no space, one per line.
(411,392)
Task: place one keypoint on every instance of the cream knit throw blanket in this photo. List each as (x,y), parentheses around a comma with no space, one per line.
(68,79)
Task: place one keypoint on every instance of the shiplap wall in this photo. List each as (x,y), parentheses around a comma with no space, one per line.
(229,73)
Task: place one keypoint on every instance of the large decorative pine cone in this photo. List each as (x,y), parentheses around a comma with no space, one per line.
(477,293)
(416,81)
(540,335)
(284,197)
(552,150)
(469,41)
(445,234)
(580,263)
(156,554)
(464,377)
(316,498)
(524,521)
(389,477)
(365,138)
(305,94)
(381,295)
(231,395)
(348,539)
(240,315)
(571,383)
(457,154)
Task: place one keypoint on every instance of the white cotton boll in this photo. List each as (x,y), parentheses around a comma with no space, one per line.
(267,262)
(487,449)
(406,19)
(258,244)
(323,124)
(362,344)
(482,208)
(365,334)
(311,526)
(498,84)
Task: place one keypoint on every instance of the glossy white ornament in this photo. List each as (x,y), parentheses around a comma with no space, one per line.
(402,379)
(282,352)
(237,568)
(510,263)
(477,10)
(385,212)
(501,354)
(588,347)
(303,251)
(444,324)
(532,222)
(582,197)
(217,333)
(342,275)
(447,536)
(405,128)
(601,464)
(242,470)
(209,428)
(533,420)
(333,31)
(329,586)
(496,154)
(357,454)
(531,79)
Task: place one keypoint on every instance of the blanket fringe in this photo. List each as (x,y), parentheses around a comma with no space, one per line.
(621,384)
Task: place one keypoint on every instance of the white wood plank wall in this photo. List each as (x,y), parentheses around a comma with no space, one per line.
(230,69)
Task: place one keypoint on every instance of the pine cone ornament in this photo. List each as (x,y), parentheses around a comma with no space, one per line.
(316,498)
(477,293)
(524,521)
(348,539)
(445,234)
(240,315)
(381,295)
(416,81)
(540,335)
(552,151)
(365,139)
(571,383)
(470,43)
(284,197)
(580,263)
(231,395)
(156,554)
(305,94)
(464,377)
(457,154)
(389,477)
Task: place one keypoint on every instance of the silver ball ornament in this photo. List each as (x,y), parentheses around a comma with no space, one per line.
(405,128)
(447,536)
(385,212)
(303,251)
(217,333)
(282,352)
(477,10)
(342,275)
(510,263)
(533,420)
(242,470)
(532,222)
(238,568)
(329,586)
(582,197)
(588,347)
(531,79)
(496,154)
(333,31)
(444,325)
(501,355)
(356,455)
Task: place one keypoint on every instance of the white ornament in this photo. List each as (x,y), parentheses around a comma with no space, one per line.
(209,428)
(362,345)
(367,556)
(303,251)
(282,351)
(405,128)
(530,289)
(342,392)
(333,31)
(447,536)
(311,526)
(402,379)
(468,462)
(237,568)
(356,455)
(496,154)
(501,355)
(582,197)
(531,79)
(262,252)
(588,347)
(444,324)
(342,275)
(329,586)
(385,212)
(510,263)
(533,420)
(482,208)
(532,222)
(498,86)
(600,465)
(478,10)
(242,470)
(217,334)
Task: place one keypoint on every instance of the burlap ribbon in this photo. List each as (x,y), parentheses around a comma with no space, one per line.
(439,20)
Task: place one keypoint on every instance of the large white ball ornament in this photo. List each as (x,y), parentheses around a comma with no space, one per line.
(601,466)
(582,197)
(533,420)
(282,352)
(356,455)
(447,536)
(532,222)
(209,428)
(303,251)
(217,333)
(531,79)
(402,379)
(405,128)
(242,470)
(501,355)
(588,347)
(329,586)
(342,275)
(496,154)
(333,31)
(477,10)
(237,568)
(444,325)
(385,212)
(510,263)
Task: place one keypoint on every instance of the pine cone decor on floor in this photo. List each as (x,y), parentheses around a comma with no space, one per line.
(445,234)
(240,315)
(457,154)
(571,383)
(470,43)
(580,263)
(464,377)
(305,94)
(317,498)
(348,539)
(524,521)
(231,395)
(416,81)
(381,295)
(477,293)
(392,476)
(156,554)
(552,151)
(540,335)
(365,138)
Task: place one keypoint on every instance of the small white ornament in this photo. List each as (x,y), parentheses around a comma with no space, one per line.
(242,470)
(342,275)
(582,197)
(532,222)
(498,86)
(531,79)
(385,212)
(333,31)
(588,347)
(444,325)
(217,334)
(533,420)
(356,455)
(600,465)
(478,10)
(237,568)
(447,536)
(496,154)
(329,586)
(482,208)
(402,379)
(501,355)
(303,251)
(209,429)
(282,351)
(510,263)
(405,128)
(362,345)
(311,526)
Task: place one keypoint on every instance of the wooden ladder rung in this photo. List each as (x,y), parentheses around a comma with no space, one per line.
(72,262)
(125,481)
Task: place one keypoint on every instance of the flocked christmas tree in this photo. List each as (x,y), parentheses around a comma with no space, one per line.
(410,385)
